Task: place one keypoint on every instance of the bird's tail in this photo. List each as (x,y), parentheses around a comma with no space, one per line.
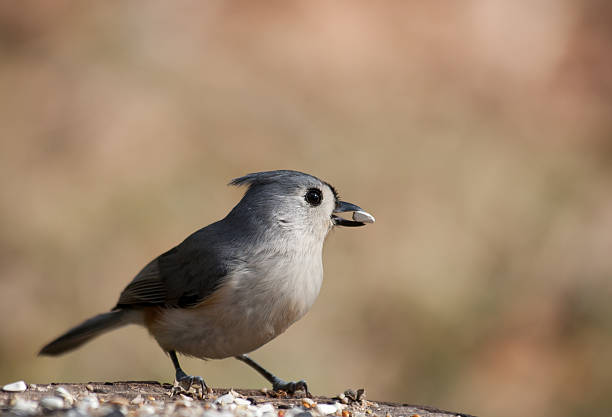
(86,331)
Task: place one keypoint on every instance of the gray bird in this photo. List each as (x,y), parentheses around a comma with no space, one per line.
(236,284)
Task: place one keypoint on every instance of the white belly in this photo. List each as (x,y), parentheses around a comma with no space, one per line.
(249,310)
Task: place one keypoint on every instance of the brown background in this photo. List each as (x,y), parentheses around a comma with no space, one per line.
(477,133)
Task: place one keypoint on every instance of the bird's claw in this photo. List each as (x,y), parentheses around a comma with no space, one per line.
(185,382)
(291,387)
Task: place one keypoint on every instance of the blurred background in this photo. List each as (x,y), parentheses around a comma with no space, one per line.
(478,133)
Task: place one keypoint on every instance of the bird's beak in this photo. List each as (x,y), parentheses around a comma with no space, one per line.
(360,217)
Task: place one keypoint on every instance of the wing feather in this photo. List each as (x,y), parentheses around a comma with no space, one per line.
(182,277)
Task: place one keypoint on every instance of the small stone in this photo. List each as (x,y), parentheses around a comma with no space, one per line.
(182,403)
(304,414)
(89,387)
(110,411)
(242,402)
(121,401)
(346,413)
(234,393)
(21,406)
(65,395)
(308,403)
(325,409)
(146,410)
(225,399)
(137,400)
(52,403)
(18,386)
(266,408)
(88,402)
(340,406)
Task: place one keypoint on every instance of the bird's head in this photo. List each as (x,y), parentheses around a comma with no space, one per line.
(296,202)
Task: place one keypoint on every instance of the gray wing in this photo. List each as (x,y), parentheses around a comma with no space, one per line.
(182,277)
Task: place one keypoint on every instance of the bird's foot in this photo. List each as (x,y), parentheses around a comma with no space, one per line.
(291,387)
(185,382)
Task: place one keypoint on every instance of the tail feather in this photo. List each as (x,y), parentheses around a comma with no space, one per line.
(85,331)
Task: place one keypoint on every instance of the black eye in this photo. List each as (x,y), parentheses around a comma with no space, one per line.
(313,196)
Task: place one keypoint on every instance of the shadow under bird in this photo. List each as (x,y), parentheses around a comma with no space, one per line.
(236,284)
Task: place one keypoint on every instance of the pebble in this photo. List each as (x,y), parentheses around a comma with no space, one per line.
(18,386)
(65,395)
(137,400)
(225,399)
(146,410)
(182,403)
(308,403)
(61,402)
(119,401)
(325,409)
(52,403)
(110,411)
(266,408)
(22,406)
(88,402)
(242,402)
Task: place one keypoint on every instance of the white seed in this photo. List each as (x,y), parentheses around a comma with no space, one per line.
(363,216)
(325,409)
(242,402)
(225,399)
(340,406)
(52,403)
(88,402)
(266,408)
(146,410)
(308,401)
(107,409)
(137,400)
(182,403)
(65,395)
(21,406)
(18,386)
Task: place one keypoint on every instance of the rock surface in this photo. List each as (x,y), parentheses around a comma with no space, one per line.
(141,399)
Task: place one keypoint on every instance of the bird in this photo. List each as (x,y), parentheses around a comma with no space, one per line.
(236,284)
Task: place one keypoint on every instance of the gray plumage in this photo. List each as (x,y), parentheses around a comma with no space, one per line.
(232,286)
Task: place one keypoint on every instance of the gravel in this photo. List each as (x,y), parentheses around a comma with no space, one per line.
(144,399)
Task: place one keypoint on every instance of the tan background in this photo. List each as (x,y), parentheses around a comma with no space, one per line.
(478,133)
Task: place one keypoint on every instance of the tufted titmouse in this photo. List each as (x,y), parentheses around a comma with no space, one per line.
(236,284)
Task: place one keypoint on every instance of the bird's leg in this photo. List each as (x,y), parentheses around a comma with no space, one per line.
(183,378)
(277,383)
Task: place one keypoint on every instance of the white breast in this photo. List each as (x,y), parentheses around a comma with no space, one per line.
(259,301)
